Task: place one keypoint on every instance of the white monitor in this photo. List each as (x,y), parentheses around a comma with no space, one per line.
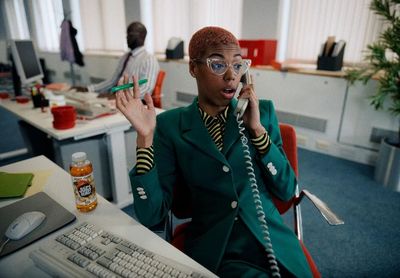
(26,61)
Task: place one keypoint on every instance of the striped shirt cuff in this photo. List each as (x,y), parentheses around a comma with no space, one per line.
(144,160)
(262,143)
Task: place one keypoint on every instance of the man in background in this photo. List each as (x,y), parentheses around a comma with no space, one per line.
(136,62)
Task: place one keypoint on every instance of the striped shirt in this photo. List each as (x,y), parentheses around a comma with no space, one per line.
(216,128)
(140,63)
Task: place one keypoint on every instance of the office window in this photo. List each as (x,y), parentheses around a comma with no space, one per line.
(17,27)
(181,18)
(103,24)
(47,18)
(312,21)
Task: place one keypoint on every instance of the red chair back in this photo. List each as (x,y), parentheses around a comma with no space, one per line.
(156,96)
(289,144)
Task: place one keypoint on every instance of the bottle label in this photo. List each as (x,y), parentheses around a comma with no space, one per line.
(84,188)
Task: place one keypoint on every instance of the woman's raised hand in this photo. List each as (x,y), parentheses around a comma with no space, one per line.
(142,117)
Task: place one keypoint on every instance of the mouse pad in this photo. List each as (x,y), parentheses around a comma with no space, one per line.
(56,217)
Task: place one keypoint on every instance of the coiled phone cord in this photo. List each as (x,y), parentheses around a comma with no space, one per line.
(273,264)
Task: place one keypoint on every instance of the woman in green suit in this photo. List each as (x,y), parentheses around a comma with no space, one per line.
(199,146)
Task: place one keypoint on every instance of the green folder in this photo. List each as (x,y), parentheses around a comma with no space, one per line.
(14,184)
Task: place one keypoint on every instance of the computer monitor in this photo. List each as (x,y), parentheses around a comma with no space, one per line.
(26,61)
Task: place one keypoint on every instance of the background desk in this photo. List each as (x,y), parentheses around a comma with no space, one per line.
(106,215)
(111,163)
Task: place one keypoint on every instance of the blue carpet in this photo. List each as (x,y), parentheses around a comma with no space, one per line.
(367,245)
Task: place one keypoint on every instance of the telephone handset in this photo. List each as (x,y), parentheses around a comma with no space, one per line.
(239,111)
(242,103)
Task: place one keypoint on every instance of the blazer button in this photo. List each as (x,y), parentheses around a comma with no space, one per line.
(233,204)
(225,169)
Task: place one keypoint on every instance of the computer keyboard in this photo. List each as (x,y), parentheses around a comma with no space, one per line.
(78,96)
(88,105)
(88,251)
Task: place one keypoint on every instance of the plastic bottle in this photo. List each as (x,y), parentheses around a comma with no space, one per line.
(81,170)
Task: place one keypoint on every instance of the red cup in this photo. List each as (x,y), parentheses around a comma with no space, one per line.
(22,99)
(4,95)
(64,116)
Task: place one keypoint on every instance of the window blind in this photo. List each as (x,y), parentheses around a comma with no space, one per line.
(103,24)
(47,17)
(312,21)
(14,11)
(181,18)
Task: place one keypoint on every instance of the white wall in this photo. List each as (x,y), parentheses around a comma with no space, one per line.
(260,19)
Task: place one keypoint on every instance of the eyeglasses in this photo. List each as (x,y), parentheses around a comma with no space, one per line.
(220,66)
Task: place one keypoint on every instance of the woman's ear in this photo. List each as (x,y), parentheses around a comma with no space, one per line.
(192,68)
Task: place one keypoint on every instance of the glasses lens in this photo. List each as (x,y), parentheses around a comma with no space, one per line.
(218,66)
(238,67)
(244,66)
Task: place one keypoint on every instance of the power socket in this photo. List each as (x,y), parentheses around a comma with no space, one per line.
(301,140)
(322,145)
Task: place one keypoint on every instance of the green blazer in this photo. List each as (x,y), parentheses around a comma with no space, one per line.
(218,184)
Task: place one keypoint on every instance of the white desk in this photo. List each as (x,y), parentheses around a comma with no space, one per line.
(112,126)
(106,215)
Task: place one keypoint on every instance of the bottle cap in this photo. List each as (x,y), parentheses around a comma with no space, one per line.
(79,157)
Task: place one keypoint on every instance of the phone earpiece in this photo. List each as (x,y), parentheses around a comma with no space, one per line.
(246,78)
(242,103)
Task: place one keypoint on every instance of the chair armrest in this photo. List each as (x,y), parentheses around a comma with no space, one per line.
(323,208)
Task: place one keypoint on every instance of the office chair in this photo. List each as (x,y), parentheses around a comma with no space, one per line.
(181,205)
(157,96)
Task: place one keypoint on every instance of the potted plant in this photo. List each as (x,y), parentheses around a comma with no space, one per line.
(383,64)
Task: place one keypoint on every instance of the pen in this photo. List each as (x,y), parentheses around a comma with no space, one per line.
(126,86)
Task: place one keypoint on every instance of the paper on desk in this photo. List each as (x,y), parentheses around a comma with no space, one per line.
(58,86)
(14,184)
(38,182)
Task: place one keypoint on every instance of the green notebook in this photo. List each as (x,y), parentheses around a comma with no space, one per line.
(14,184)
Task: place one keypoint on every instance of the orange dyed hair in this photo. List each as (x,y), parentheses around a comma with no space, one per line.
(209,37)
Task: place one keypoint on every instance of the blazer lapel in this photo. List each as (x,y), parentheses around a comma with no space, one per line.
(231,129)
(194,131)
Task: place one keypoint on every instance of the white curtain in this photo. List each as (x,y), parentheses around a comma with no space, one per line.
(312,21)
(47,17)
(103,24)
(181,18)
(14,12)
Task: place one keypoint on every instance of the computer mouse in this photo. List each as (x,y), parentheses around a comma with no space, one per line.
(24,224)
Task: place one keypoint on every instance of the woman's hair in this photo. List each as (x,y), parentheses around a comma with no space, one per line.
(209,37)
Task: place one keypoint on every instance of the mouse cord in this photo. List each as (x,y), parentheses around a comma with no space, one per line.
(3,244)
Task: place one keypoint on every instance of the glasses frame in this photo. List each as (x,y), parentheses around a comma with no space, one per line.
(208,61)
